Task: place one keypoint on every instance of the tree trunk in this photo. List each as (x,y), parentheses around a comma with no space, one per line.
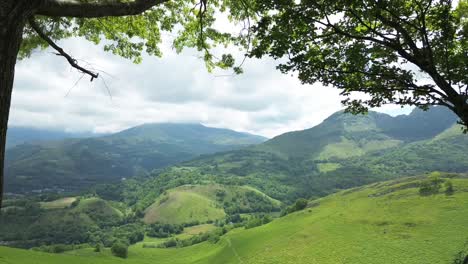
(13,15)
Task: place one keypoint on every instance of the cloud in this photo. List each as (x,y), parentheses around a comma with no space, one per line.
(175,88)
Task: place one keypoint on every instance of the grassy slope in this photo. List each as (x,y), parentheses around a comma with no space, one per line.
(183,205)
(382,223)
(59,203)
(190,203)
(97,207)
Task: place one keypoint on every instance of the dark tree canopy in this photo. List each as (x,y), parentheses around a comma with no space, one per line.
(406,52)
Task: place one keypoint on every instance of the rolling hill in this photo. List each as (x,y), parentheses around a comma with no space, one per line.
(76,164)
(202,203)
(387,222)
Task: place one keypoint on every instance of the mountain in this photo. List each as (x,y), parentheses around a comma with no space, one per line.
(342,152)
(343,135)
(21,135)
(74,164)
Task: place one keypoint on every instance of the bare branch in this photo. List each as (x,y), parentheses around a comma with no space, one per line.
(60,51)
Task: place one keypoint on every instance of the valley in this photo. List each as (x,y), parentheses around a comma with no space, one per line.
(354,189)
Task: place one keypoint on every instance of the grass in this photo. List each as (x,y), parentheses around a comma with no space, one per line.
(195,230)
(327,167)
(189,203)
(59,203)
(382,223)
(348,148)
(97,207)
(183,205)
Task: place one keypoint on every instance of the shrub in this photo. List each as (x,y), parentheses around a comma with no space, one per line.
(75,203)
(119,249)
(98,247)
(430,186)
(449,188)
(300,204)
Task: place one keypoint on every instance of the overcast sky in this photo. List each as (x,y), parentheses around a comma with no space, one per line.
(175,88)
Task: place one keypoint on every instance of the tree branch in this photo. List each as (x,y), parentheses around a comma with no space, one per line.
(60,51)
(93,9)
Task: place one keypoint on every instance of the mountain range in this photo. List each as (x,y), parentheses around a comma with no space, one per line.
(343,151)
(78,163)
(19,135)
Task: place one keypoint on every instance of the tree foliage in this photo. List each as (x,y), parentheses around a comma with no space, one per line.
(405,52)
(191,24)
(119,249)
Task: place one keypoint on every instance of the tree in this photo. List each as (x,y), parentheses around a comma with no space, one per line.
(449,188)
(300,204)
(405,52)
(119,249)
(131,26)
(430,186)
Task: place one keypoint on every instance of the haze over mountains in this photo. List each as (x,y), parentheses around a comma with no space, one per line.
(78,163)
(20,135)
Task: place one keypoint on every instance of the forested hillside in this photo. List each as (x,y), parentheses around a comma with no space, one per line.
(75,164)
(342,152)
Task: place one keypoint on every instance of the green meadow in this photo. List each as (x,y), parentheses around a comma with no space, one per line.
(387,222)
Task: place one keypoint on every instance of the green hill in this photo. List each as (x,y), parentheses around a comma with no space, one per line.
(183,205)
(28,223)
(76,164)
(202,203)
(387,222)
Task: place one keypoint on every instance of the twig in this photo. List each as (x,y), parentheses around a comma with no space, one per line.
(73,62)
(77,81)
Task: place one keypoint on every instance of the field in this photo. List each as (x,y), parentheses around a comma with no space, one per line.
(59,203)
(387,222)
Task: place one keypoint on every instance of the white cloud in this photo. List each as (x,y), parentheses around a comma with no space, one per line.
(175,88)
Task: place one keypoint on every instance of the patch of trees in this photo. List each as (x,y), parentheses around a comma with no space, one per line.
(164,230)
(60,248)
(249,202)
(212,236)
(299,205)
(257,221)
(433,185)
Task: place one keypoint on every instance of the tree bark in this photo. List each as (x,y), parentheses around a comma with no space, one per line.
(13,16)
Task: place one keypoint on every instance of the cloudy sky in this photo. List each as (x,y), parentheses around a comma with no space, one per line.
(175,88)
